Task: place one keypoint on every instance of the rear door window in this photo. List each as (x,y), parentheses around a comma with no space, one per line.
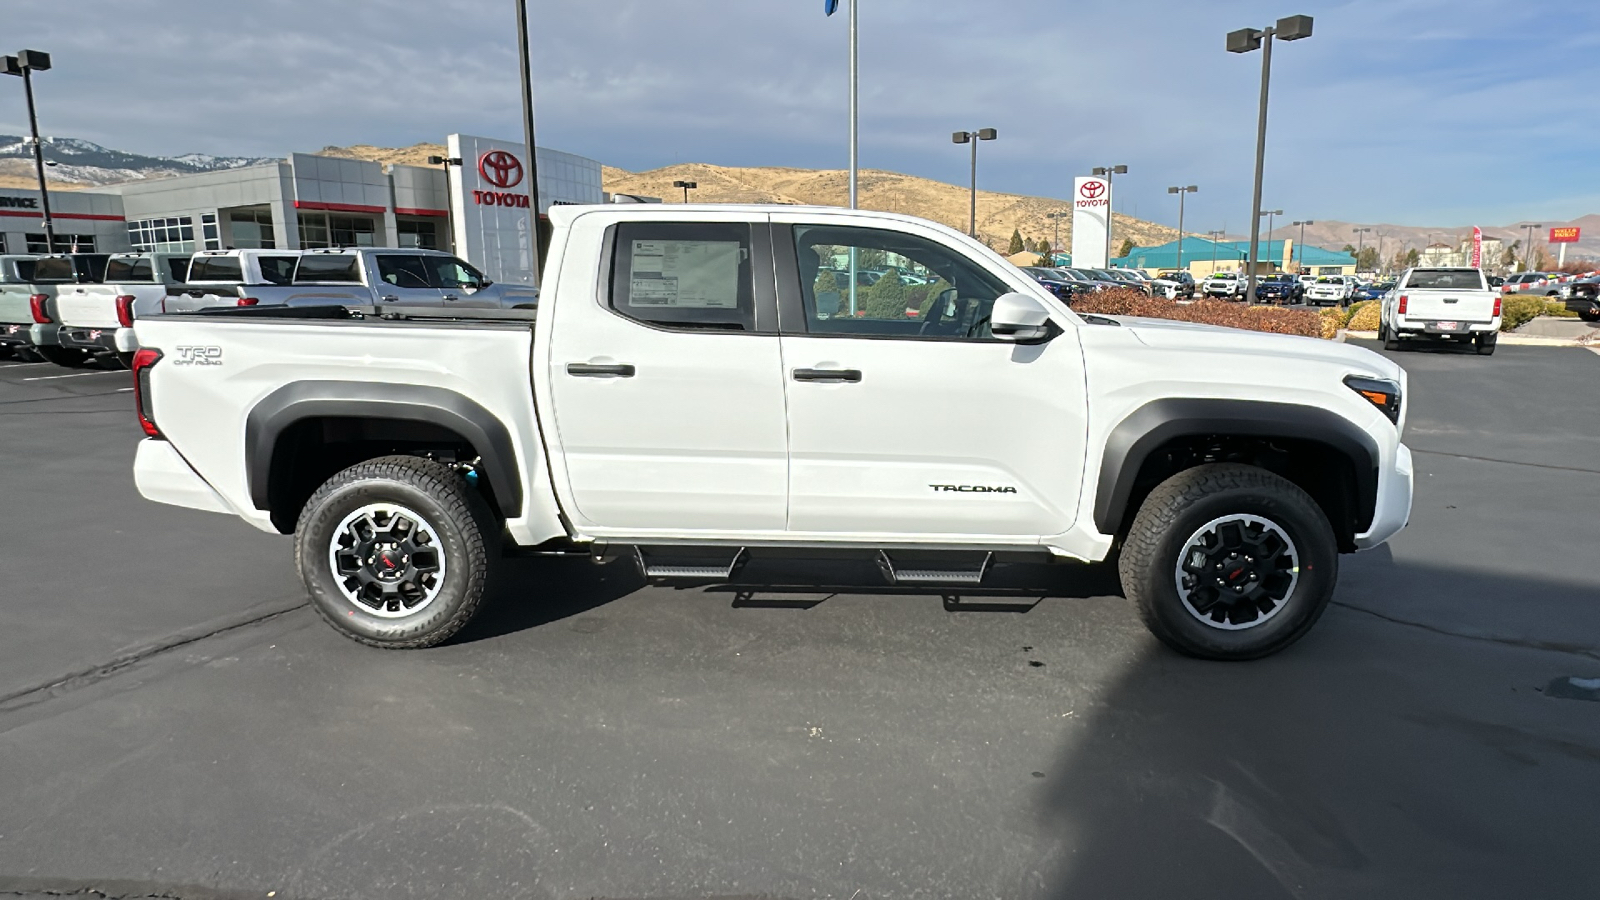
(277,269)
(694,275)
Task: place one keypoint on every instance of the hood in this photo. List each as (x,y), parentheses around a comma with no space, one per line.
(1168,334)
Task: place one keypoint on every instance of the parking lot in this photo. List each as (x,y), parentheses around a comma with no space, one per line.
(175,721)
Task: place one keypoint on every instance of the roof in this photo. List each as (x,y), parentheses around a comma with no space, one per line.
(1165,256)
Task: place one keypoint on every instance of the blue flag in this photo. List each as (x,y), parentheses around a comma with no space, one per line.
(831,6)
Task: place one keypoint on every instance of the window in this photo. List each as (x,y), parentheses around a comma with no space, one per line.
(953,304)
(403,271)
(251,229)
(173,234)
(54,270)
(413,233)
(130,269)
(277,269)
(313,230)
(1446,280)
(684,275)
(208,231)
(178,268)
(328,268)
(65,243)
(449,272)
(216,268)
(321,230)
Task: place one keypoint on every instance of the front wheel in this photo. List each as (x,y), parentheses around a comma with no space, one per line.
(1229,562)
(396,552)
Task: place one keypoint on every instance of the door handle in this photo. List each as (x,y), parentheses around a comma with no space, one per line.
(853,376)
(389,298)
(451,297)
(591,370)
(1452,300)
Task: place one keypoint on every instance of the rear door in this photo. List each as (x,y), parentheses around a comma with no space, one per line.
(666,380)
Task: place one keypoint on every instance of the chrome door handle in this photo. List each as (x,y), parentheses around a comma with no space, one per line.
(853,376)
(389,298)
(591,370)
(451,297)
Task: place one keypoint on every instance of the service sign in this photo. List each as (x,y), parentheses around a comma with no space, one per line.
(490,209)
(1091,221)
(1565,235)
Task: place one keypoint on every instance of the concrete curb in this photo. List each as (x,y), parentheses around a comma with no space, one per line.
(1506,337)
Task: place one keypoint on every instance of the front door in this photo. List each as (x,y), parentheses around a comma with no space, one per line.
(405,280)
(666,381)
(908,419)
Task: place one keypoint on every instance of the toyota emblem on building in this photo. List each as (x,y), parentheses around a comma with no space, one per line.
(1091,190)
(500,169)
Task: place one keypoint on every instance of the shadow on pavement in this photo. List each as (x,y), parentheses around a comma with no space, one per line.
(531,592)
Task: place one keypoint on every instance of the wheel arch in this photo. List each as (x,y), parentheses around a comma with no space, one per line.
(353,421)
(1329,457)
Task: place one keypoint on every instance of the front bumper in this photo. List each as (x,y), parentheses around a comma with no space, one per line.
(1393,508)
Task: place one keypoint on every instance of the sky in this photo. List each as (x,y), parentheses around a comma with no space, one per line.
(1412,112)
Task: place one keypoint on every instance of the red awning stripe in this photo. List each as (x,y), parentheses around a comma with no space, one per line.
(408,211)
(339,207)
(61,215)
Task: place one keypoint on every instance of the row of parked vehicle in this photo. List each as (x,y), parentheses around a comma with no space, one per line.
(78,309)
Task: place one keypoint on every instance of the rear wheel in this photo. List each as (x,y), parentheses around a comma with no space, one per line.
(1390,341)
(1229,562)
(396,552)
(1592,314)
(1484,344)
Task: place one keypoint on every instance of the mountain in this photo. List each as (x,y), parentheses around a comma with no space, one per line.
(1334,235)
(81,164)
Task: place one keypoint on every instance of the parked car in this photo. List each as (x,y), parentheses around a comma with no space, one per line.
(1225,285)
(1174,285)
(1330,290)
(1583,297)
(1065,289)
(222,278)
(1531,283)
(674,408)
(1096,279)
(1124,278)
(27,309)
(98,318)
(16,317)
(1372,290)
(1441,304)
(1280,289)
(385,276)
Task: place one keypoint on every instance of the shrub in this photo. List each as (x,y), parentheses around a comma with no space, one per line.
(1558,309)
(1366,318)
(826,283)
(886,299)
(1271,319)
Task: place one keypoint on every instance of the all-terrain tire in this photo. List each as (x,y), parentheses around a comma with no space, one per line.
(1178,510)
(1485,344)
(458,515)
(1390,342)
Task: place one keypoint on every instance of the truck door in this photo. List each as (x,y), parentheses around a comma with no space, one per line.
(403,278)
(666,380)
(906,417)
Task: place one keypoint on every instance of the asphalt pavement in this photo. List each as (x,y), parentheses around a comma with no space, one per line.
(175,722)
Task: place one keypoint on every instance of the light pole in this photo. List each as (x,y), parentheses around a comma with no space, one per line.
(1300,249)
(1109,173)
(25,63)
(1182,192)
(1270,213)
(1290,28)
(830,7)
(687,187)
(971,137)
(1361,243)
(1055,248)
(449,220)
(527,130)
(1527,251)
(1215,236)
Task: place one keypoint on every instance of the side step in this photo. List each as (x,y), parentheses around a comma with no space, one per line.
(694,568)
(920,572)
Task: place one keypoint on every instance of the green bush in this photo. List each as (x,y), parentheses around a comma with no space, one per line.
(826,283)
(1518,310)
(886,299)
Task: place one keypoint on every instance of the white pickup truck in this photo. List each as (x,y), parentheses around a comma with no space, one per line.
(1223,285)
(97,319)
(371,276)
(686,396)
(1441,304)
(27,308)
(222,278)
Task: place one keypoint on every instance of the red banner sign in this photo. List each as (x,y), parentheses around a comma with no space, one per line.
(1567,235)
(1477,247)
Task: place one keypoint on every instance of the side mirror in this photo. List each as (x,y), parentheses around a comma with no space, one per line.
(1021,319)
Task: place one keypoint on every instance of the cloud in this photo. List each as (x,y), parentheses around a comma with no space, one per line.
(1399,110)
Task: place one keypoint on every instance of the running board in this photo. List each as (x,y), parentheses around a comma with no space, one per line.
(924,575)
(691,568)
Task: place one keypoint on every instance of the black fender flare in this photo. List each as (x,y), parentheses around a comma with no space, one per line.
(1156,423)
(277,411)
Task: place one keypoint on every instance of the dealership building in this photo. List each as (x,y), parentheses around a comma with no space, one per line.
(476,204)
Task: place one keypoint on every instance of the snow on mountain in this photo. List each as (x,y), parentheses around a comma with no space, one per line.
(85,162)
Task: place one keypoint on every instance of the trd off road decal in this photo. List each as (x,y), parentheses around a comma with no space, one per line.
(198,356)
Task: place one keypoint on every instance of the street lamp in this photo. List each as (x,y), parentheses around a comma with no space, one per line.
(1527,251)
(1361,243)
(687,187)
(1182,193)
(1109,173)
(971,137)
(1215,236)
(1058,215)
(526,72)
(447,162)
(1290,28)
(1270,213)
(25,63)
(1300,250)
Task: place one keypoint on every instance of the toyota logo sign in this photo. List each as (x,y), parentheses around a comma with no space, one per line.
(1091,190)
(500,169)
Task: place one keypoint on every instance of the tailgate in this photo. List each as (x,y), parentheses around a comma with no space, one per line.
(87,305)
(14,308)
(1450,306)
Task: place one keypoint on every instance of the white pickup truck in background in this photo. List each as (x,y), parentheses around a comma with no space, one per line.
(686,396)
(224,278)
(27,308)
(1441,304)
(97,319)
(386,276)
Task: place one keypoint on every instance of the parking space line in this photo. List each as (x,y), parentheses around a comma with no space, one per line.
(23,365)
(123,390)
(71,375)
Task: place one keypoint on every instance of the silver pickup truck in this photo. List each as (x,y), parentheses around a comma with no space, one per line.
(384,276)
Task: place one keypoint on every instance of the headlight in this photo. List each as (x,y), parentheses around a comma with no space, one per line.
(1385,395)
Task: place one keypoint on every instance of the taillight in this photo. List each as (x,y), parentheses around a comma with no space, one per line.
(143,360)
(1404,301)
(125,310)
(248,301)
(36,306)
(1496,308)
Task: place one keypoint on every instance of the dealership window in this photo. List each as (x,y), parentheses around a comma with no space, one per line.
(422,233)
(684,275)
(174,234)
(251,229)
(65,243)
(321,230)
(208,231)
